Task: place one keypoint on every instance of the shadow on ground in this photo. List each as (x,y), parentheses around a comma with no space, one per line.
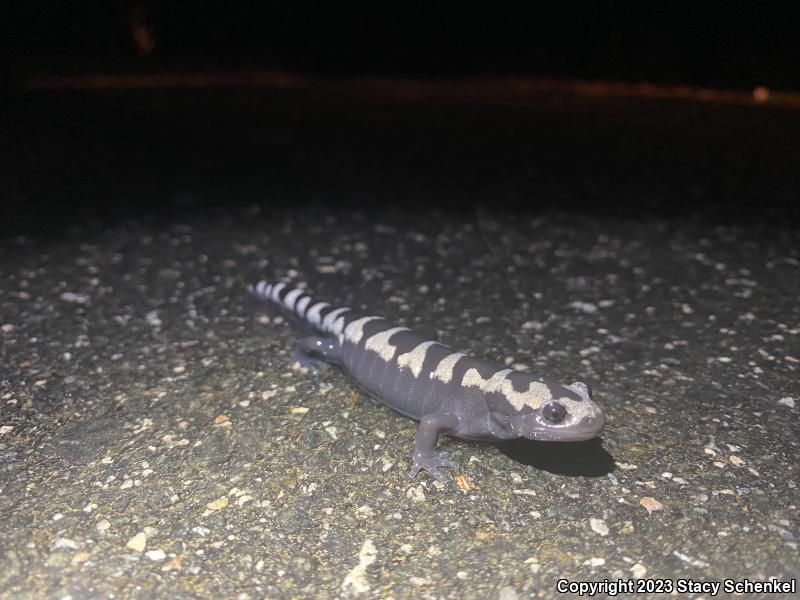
(579,459)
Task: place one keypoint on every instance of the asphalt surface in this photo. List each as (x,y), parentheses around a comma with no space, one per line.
(156,442)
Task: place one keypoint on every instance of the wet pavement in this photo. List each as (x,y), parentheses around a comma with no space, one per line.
(155,440)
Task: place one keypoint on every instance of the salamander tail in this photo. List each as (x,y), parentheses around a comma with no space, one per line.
(297,304)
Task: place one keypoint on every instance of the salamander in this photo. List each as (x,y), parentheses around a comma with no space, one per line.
(448,392)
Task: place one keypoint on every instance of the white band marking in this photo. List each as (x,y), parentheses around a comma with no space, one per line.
(473,378)
(290,298)
(355,330)
(380,343)
(300,307)
(444,370)
(313,315)
(276,290)
(414,359)
(330,318)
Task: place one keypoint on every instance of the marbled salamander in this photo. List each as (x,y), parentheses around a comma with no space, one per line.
(447,392)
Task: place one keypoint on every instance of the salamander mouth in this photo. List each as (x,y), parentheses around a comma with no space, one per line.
(564,435)
(588,428)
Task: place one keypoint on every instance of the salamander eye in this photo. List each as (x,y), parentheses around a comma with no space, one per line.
(554,412)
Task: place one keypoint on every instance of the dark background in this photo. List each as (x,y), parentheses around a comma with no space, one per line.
(738,45)
(108,155)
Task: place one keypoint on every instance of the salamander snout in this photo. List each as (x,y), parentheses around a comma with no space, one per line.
(594,422)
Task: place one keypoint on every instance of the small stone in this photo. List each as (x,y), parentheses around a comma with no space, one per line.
(788,401)
(595,561)
(103,525)
(138,542)
(586,307)
(152,319)
(218,504)
(626,466)
(598,526)
(62,542)
(416,494)
(75,298)
(639,570)
(7,327)
(508,593)
(157,554)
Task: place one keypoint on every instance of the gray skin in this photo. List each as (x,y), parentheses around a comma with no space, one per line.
(447,392)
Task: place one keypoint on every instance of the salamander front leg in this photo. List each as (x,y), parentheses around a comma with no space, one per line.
(313,352)
(425,455)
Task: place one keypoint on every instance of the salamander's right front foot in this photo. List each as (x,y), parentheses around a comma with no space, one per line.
(431,464)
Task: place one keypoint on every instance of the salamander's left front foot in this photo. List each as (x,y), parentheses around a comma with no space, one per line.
(314,352)
(305,361)
(431,464)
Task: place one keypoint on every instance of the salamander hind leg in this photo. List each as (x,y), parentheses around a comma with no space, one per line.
(314,352)
(425,455)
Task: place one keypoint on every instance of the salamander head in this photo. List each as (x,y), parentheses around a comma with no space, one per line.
(547,411)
